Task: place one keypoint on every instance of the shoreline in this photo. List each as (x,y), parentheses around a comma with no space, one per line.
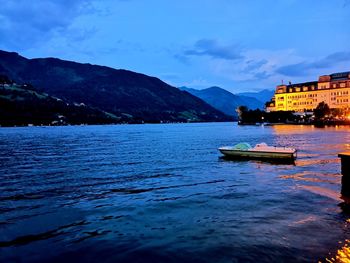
(316,124)
(110,124)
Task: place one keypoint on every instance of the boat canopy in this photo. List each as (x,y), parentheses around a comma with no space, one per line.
(242,146)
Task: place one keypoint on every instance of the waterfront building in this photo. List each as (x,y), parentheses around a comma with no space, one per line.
(333,89)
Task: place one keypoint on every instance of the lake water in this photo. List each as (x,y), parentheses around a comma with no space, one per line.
(161,193)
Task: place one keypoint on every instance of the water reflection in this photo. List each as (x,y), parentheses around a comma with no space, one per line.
(342,255)
(302,129)
(313,162)
(258,160)
(318,168)
(310,176)
(293,129)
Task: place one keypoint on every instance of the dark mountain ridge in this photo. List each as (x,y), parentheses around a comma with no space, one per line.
(121,92)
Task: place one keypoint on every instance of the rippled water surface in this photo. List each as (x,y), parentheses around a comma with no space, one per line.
(161,193)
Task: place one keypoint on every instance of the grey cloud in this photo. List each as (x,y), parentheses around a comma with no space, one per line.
(254,65)
(298,69)
(302,68)
(183,59)
(25,23)
(262,75)
(211,48)
(254,69)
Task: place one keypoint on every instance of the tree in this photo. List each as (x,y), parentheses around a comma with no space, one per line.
(321,110)
(4,79)
(241,110)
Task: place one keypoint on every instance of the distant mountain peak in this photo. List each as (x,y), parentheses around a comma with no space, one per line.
(263,95)
(3,52)
(224,100)
(215,88)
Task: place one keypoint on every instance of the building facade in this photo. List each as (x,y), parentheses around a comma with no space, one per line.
(332,89)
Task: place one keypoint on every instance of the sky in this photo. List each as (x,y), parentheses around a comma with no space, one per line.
(238,45)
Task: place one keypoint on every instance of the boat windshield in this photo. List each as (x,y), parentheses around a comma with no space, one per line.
(242,146)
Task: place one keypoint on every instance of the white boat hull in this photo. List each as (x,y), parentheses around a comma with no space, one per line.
(258,154)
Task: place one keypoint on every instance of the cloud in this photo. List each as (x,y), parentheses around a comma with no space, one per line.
(213,49)
(183,59)
(262,75)
(303,68)
(25,23)
(254,65)
(234,64)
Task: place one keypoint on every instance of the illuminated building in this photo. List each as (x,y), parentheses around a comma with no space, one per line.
(332,89)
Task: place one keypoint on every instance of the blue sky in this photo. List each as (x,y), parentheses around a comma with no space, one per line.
(245,45)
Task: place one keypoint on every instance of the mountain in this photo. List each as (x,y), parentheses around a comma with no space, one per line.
(121,92)
(23,105)
(263,96)
(224,100)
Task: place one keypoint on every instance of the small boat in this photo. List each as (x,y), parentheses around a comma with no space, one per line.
(260,151)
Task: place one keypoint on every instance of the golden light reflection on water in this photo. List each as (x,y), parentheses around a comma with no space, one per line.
(295,129)
(305,220)
(318,153)
(311,176)
(342,255)
(308,162)
(292,129)
(322,191)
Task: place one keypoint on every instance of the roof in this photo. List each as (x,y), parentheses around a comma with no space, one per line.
(340,75)
(302,84)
